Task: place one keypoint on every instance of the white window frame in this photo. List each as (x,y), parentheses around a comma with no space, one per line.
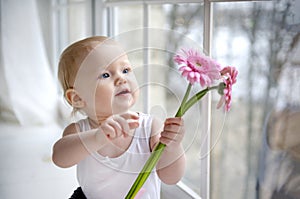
(103,20)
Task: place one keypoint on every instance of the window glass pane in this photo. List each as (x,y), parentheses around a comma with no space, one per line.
(172,26)
(73,21)
(260,40)
(127,22)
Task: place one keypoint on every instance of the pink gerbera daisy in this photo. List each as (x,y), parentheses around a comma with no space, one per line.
(197,67)
(229,73)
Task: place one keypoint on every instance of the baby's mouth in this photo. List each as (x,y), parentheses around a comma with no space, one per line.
(123,92)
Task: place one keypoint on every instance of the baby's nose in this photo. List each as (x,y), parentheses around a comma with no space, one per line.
(120,80)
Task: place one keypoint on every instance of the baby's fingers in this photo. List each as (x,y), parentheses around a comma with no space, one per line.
(133,124)
(111,129)
(174,120)
(127,123)
(130,115)
(167,137)
(174,125)
(173,131)
(173,128)
(132,118)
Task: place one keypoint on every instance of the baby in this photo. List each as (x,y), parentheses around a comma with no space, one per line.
(111,145)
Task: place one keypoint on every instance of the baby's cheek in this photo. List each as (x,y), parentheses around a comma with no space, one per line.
(136,93)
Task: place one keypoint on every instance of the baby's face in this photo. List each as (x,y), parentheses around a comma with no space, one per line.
(117,88)
(107,84)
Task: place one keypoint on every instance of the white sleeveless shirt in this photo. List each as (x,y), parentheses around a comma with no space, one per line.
(111,178)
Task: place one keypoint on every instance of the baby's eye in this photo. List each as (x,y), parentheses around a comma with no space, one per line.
(126,70)
(104,75)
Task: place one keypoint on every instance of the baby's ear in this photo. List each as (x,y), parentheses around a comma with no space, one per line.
(74,99)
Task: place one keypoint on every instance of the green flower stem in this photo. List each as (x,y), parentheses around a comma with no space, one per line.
(196,98)
(154,157)
(147,169)
(181,107)
(156,154)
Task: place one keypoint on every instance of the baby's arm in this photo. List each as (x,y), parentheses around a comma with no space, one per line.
(171,165)
(75,146)
(70,149)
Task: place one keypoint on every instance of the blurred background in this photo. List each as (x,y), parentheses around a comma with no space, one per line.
(251,152)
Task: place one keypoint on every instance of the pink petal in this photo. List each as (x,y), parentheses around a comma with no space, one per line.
(191,74)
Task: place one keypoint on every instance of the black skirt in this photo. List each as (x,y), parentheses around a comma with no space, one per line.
(78,194)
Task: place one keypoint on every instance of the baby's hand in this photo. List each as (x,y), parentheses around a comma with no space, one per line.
(118,125)
(173,132)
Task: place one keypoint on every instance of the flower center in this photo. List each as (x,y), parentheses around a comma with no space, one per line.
(198,64)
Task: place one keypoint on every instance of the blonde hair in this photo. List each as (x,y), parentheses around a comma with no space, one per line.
(72,57)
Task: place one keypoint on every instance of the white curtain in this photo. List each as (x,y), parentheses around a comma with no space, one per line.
(28,94)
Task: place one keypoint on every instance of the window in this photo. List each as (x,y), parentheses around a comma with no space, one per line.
(254,42)
(71,21)
(222,150)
